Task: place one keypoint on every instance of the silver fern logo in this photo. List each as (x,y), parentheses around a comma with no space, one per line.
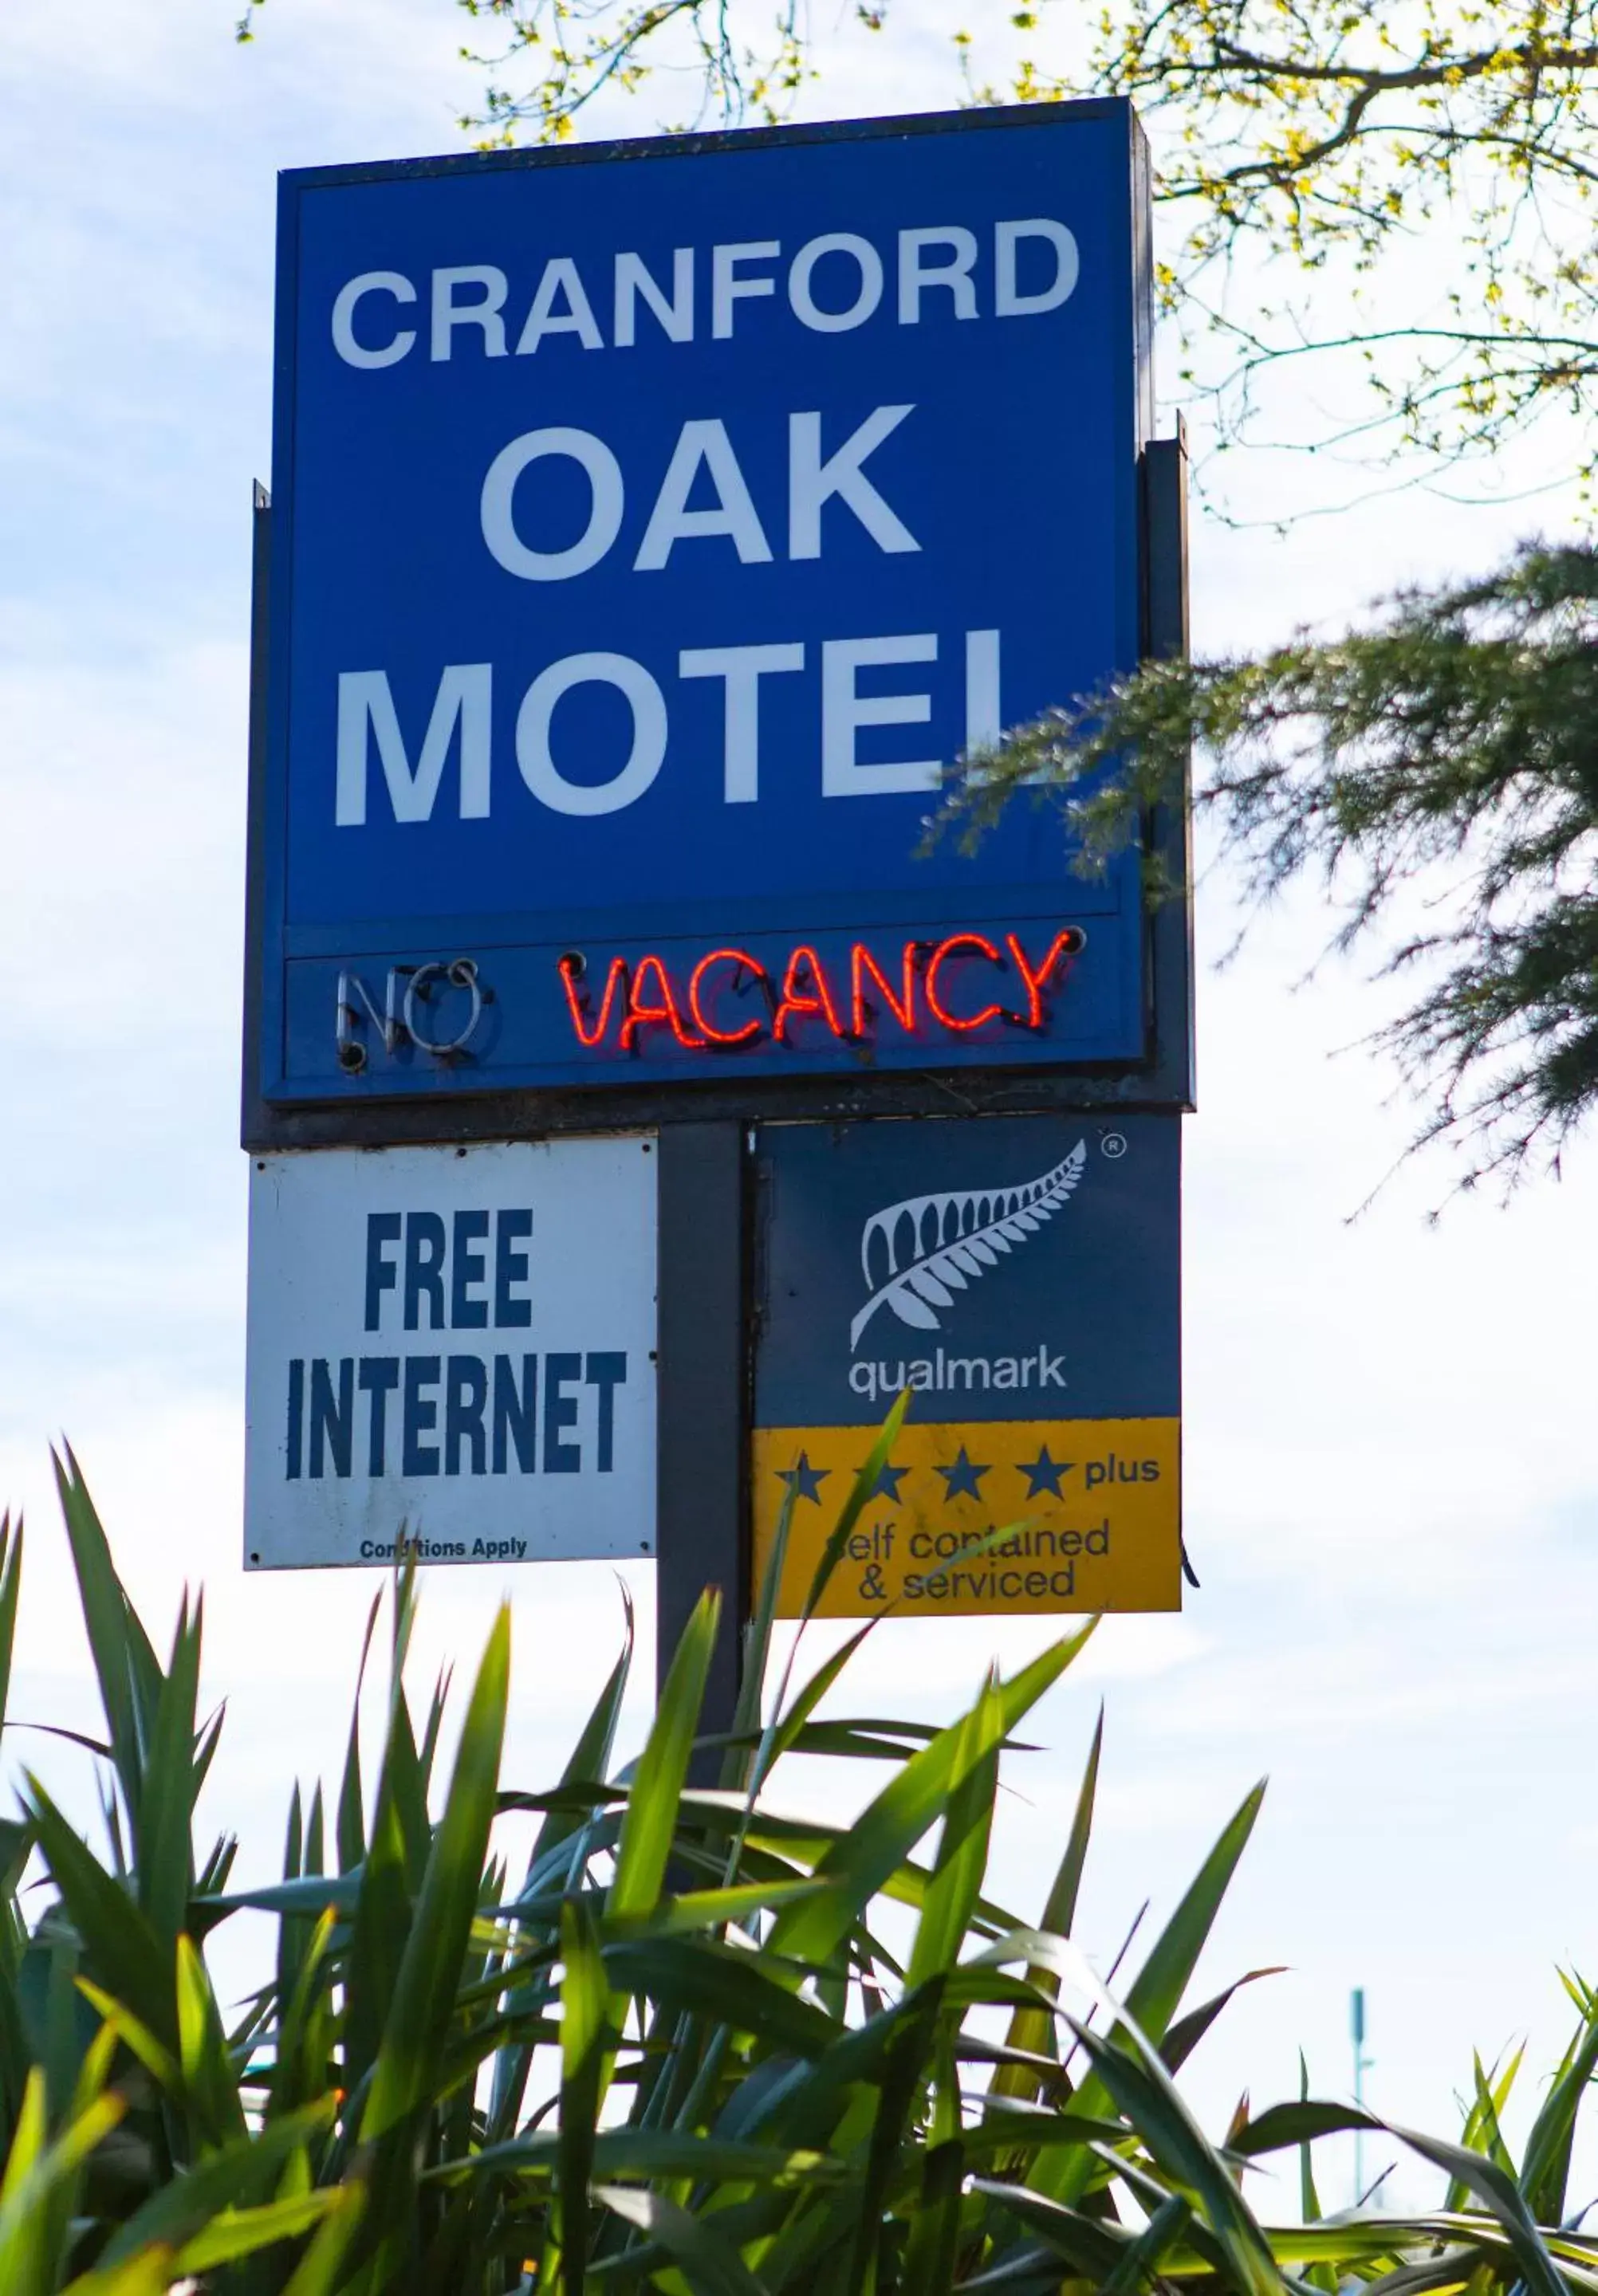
(918,1254)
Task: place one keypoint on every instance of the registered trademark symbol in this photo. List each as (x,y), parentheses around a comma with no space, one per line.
(1114,1144)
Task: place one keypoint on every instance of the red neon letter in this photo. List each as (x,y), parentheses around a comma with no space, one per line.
(569,977)
(946,949)
(665,1012)
(723,957)
(795,1000)
(1064,944)
(860,963)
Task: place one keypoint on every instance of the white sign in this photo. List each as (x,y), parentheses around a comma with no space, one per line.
(453,1348)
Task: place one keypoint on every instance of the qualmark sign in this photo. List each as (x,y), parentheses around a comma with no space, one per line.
(1018,1278)
(652,525)
(451,1352)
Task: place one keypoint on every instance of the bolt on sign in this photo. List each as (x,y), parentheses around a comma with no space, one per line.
(652,524)
(1020,1278)
(451,1353)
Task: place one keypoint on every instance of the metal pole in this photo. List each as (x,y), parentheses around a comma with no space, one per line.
(1362,2065)
(702,1534)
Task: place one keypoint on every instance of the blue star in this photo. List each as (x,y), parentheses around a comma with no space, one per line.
(963,1476)
(1044,1473)
(887,1486)
(804,1481)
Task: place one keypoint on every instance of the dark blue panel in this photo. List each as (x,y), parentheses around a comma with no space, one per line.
(794,1004)
(1047,1245)
(989,530)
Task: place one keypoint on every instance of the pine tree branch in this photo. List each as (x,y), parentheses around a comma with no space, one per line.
(1459,736)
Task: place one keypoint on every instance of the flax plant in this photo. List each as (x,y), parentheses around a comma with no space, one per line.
(676,2050)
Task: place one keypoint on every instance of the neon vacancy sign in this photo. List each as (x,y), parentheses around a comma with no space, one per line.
(730,1001)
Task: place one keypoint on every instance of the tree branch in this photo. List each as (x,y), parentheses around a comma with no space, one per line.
(1461,732)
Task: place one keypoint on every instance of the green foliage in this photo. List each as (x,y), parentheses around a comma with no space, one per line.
(697,2047)
(1313,132)
(1458,736)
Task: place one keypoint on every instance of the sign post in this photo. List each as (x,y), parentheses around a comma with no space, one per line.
(702,1492)
(652,525)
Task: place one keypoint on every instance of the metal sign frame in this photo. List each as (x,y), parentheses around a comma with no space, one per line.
(1161,1077)
(705,1130)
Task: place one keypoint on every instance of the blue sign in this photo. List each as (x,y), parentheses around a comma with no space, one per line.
(1019,1279)
(927,1255)
(651,525)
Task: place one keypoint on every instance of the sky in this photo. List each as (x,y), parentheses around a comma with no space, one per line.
(1392,1479)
